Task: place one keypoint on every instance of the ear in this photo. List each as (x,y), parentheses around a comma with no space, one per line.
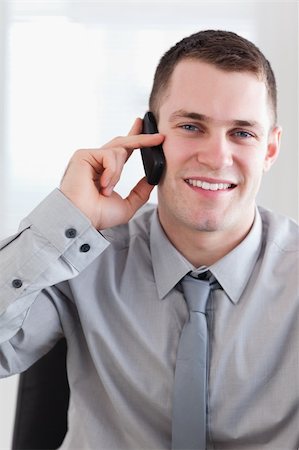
(273,147)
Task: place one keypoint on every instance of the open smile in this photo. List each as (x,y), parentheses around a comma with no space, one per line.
(209,186)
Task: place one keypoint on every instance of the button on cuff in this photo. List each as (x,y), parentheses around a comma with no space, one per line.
(71,233)
(97,244)
(17,283)
(85,248)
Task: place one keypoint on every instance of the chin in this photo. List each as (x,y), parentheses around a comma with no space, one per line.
(208,226)
(207,223)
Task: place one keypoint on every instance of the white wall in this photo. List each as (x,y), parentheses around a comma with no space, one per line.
(76,74)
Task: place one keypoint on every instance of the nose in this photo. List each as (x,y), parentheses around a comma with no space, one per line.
(215,152)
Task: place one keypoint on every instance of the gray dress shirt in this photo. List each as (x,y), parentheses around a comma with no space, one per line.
(116,297)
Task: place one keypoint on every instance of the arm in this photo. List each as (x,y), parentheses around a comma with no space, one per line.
(48,248)
(42,254)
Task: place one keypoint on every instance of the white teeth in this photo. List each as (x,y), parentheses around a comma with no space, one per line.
(209,186)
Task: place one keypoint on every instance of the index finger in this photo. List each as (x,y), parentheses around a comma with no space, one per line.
(136,141)
(145,139)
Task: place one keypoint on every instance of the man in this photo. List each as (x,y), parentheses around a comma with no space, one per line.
(117,295)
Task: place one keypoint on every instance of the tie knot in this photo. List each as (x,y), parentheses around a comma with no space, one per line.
(196,293)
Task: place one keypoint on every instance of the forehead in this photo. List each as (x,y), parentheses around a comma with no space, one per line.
(203,88)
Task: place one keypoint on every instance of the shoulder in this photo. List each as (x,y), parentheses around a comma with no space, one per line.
(279,257)
(279,230)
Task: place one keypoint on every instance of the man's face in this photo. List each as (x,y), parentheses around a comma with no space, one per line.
(218,142)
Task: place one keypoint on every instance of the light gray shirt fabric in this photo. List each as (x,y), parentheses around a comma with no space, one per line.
(122,310)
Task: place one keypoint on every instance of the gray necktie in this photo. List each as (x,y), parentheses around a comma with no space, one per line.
(189,401)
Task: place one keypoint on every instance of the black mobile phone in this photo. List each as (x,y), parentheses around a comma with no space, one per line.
(152,157)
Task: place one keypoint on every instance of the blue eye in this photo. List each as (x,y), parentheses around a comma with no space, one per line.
(243,134)
(189,127)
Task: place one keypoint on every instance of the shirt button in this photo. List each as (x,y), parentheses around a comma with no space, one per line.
(17,283)
(71,233)
(85,248)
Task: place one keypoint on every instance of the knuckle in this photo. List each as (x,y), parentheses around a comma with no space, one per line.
(117,140)
(79,153)
(116,151)
(122,152)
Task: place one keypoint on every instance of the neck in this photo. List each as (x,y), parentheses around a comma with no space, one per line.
(204,248)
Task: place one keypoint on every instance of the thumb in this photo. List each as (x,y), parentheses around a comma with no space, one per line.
(138,196)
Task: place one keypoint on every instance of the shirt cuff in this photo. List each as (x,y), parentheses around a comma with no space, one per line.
(55,242)
(67,229)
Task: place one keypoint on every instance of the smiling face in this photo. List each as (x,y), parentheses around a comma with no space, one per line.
(218,141)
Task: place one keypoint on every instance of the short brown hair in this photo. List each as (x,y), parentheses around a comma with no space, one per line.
(224,49)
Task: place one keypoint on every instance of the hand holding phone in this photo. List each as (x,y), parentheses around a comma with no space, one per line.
(153,157)
(92,174)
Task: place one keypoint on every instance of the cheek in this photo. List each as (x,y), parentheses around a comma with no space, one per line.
(176,152)
(170,148)
(174,163)
(171,156)
(252,172)
(250,162)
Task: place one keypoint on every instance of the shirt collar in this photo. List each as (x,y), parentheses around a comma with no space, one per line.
(232,271)
(168,263)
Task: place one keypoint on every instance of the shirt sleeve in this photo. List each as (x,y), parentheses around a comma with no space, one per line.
(53,244)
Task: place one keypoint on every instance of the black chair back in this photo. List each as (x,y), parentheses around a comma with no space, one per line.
(42,403)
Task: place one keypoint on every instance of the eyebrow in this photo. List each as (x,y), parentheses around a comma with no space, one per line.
(182,114)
